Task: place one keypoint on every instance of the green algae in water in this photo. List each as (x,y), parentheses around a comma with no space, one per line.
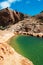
(30,47)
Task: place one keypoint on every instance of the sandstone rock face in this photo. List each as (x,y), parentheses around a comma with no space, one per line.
(28,26)
(21,22)
(8,56)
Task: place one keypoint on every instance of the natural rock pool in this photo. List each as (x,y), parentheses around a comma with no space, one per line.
(30,47)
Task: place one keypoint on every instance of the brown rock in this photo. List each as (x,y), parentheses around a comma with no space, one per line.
(21,22)
(8,17)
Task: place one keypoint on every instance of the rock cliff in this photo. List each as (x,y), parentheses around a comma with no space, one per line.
(21,22)
(8,17)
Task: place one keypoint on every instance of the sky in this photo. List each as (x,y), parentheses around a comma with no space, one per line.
(30,7)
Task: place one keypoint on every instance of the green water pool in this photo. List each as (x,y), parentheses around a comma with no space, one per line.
(30,47)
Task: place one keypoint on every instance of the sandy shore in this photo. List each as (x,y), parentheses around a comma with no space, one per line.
(5,35)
